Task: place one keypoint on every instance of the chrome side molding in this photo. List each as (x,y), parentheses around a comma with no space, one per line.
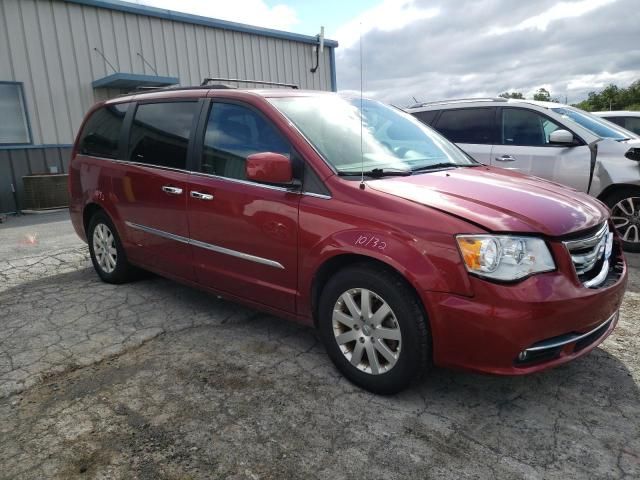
(207,246)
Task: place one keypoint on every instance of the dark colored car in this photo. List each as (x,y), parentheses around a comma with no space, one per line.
(350,216)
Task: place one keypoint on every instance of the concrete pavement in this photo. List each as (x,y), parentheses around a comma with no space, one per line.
(156,380)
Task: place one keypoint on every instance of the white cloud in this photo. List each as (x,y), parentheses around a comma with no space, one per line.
(387,16)
(557,12)
(574,47)
(252,12)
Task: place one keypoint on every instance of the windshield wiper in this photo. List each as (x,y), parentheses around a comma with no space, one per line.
(435,166)
(377,173)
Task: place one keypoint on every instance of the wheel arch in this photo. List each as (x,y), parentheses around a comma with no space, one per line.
(617,186)
(88,212)
(334,264)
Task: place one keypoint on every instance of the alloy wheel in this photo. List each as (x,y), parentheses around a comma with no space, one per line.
(104,248)
(626,219)
(367,331)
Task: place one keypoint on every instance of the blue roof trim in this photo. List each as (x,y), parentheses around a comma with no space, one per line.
(199,20)
(32,147)
(133,80)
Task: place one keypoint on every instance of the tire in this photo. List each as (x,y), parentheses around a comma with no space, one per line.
(624,203)
(107,254)
(406,333)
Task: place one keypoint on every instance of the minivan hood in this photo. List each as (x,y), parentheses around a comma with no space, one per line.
(499,200)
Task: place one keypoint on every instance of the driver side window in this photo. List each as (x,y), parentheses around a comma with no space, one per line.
(233,133)
(526,128)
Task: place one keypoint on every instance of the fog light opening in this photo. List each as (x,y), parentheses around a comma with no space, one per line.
(522,356)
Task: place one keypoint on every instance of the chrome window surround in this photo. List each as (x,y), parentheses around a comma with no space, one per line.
(202,174)
(207,246)
(588,251)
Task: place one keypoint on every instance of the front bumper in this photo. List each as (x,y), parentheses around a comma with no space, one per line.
(490,331)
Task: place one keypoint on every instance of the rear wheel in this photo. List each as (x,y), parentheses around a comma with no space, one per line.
(107,254)
(625,214)
(373,328)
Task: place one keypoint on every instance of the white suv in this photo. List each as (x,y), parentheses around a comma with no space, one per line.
(549,140)
(626,119)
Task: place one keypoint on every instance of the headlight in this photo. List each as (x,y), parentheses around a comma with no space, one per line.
(504,257)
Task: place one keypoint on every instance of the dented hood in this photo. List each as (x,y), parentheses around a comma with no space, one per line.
(499,200)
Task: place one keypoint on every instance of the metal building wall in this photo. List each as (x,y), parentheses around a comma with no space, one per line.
(49,46)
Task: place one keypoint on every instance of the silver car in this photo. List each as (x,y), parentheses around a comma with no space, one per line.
(549,140)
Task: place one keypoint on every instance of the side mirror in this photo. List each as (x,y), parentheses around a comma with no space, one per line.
(269,167)
(561,137)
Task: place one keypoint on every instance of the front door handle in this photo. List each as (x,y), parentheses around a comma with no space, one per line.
(171,190)
(202,196)
(505,158)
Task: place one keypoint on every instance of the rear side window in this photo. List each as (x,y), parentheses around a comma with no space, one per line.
(426,117)
(160,133)
(616,120)
(101,133)
(233,133)
(633,124)
(469,125)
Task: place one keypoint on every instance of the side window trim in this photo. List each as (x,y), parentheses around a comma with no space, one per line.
(299,163)
(499,122)
(206,112)
(125,135)
(123,150)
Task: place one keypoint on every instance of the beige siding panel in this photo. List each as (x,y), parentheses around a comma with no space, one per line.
(158,46)
(53,77)
(146,47)
(83,53)
(6,66)
(39,78)
(107,39)
(48,45)
(69,65)
(123,56)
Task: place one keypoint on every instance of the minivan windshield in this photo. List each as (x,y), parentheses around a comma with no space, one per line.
(356,135)
(592,123)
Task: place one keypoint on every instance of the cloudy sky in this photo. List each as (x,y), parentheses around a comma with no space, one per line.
(435,49)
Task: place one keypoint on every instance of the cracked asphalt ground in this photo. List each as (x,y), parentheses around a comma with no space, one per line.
(155,380)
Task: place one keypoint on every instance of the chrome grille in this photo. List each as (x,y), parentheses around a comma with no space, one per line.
(590,256)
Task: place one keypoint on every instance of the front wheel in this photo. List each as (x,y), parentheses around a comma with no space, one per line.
(625,214)
(374,329)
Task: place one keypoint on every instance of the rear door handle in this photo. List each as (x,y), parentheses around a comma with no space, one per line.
(202,196)
(171,190)
(505,158)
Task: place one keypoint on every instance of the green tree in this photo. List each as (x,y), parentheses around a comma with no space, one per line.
(512,95)
(613,97)
(543,95)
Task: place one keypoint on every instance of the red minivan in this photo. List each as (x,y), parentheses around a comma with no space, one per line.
(350,216)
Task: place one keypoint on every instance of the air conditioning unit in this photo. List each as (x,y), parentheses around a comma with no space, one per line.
(45,191)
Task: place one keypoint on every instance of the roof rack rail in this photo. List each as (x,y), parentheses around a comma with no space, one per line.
(169,89)
(461,100)
(207,80)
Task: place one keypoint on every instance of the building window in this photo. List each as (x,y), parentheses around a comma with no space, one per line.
(14,127)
